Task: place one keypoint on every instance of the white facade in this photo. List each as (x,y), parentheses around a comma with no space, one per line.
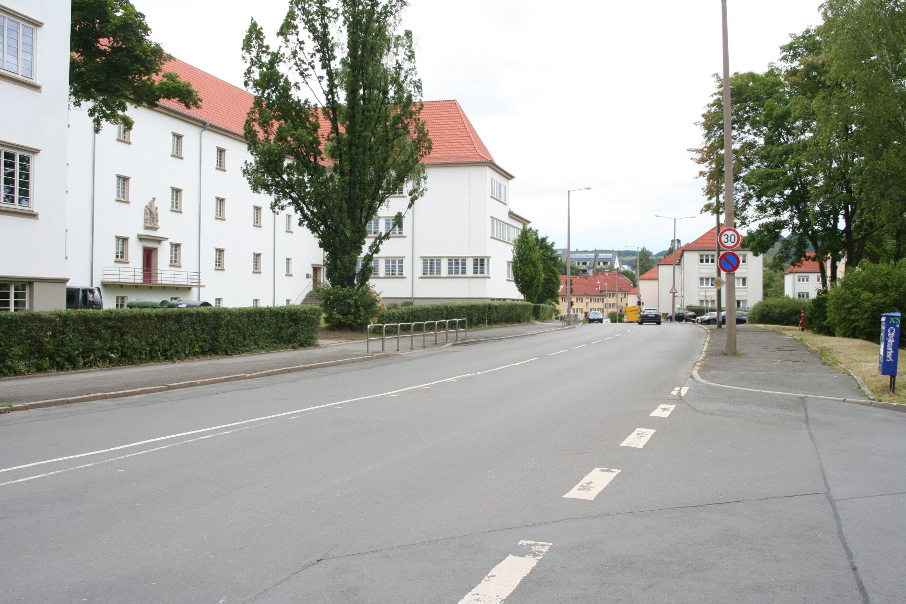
(802,284)
(34,95)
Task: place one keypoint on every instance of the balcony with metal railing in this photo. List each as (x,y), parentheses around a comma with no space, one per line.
(151,278)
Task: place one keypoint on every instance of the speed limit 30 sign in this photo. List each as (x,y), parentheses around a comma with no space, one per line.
(729,238)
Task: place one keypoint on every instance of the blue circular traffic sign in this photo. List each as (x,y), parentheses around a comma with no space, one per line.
(729,262)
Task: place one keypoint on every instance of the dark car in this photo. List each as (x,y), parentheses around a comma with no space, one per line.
(684,315)
(709,318)
(595,316)
(650,315)
(188,303)
(741,318)
(81,298)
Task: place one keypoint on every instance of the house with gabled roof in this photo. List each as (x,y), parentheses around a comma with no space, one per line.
(692,270)
(604,291)
(163,211)
(803,279)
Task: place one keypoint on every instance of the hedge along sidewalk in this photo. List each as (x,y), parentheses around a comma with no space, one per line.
(33,342)
(857,357)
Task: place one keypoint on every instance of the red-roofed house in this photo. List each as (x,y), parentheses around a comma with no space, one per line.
(163,211)
(803,280)
(606,291)
(692,271)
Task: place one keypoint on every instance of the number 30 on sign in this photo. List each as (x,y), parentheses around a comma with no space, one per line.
(729,238)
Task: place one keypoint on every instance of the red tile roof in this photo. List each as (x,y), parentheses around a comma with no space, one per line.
(454,139)
(806,265)
(651,274)
(707,242)
(594,285)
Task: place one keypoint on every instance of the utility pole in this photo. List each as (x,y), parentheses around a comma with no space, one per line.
(674,245)
(569,259)
(729,209)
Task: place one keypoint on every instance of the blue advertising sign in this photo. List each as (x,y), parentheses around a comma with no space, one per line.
(890,343)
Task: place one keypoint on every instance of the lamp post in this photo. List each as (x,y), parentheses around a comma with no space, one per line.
(675,247)
(638,273)
(569,258)
(729,209)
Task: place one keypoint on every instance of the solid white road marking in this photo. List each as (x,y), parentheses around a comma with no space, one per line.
(639,438)
(592,485)
(506,576)
(225,428)
(663,411)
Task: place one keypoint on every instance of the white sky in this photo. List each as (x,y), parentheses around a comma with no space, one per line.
(598,93)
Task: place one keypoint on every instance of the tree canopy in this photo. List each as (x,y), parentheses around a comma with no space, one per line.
(334,128)
(536,267)
(113,64)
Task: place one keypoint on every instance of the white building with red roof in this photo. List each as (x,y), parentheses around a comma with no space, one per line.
(604,291)
(163,211)
(691,271)
(34,97)
(803,280)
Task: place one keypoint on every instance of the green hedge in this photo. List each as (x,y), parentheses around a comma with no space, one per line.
(54,341)
(778,311)
(855,304)
(544,312)
(481,313)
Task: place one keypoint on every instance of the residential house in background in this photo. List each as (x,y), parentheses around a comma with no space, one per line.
(587,262)
(803,280)
(34,96)
(605,291)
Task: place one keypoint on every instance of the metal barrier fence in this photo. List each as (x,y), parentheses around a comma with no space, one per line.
(410,330)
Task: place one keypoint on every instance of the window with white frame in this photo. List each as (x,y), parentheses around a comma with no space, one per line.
(289,223)
(393,267)
(289,267)
(373,227)
(498,190)
(743,258)
(256,262)
(218,301)
(256,302)
(706,281)
(16,185)
(288,302)
(220,163)
(176,146)
(13,297)
(801,278)
(122,188)
(121,249)
(175,199)
(219,257)
(121,301)
(803,295)
(256,216)
(175,254)
(17,46)
(390,227)
(123,133)
(706,258)
(741,303)
(503,231)
(219,208)
(375,266)
(509,270)
(431,267)
(456,266)
(479,266)
(741,281)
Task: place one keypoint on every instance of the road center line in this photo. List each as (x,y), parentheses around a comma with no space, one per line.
(663,411)
(223,428)
(580,346)
(551,354)
(592,485)
(639,438)
(506,576)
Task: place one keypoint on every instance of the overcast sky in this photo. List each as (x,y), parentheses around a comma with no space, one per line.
(597,93)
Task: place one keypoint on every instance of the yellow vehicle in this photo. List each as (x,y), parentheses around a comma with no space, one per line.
(632,314)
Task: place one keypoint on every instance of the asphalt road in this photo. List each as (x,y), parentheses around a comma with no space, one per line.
(574,466)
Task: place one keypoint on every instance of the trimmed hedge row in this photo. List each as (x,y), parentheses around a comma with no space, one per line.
(778,311)
(481,313)
(544,312)
(61,340)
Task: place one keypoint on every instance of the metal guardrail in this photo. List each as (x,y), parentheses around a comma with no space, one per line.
(143,276)
(410,330)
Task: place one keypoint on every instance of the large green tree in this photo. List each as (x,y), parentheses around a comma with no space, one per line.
(334,129)
(536,267)
(113,64)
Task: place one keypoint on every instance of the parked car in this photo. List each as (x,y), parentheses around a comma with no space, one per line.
(683,315)
(595,316)
(741,318)
(188,303)
(147,304)
(650,315)
(709,318)
(82,298)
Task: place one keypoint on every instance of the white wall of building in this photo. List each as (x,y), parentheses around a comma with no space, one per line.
(801,285)
(34,98)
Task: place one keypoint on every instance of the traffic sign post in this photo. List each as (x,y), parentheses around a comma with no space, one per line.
(890,347)
(730,239)
(729,262)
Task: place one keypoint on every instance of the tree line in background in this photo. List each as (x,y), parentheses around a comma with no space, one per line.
(820,142)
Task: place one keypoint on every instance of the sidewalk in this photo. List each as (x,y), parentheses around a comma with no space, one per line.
(50,389)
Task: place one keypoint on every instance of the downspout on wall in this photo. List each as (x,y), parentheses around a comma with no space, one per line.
(94,145)
(204,127)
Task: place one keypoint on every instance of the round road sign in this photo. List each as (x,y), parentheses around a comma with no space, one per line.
(729,262)
(729,238)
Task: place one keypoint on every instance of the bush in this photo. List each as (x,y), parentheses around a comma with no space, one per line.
(778,311)
(348,307)
(479,313)
(544,312)
(816,316)
(855,304)
(55,341)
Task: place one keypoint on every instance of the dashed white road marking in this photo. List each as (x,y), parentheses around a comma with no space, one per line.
(683,391)
(663,411)
(550,354)
(579,346)
(592,485)
(639,438)
(597,341)
(506,576)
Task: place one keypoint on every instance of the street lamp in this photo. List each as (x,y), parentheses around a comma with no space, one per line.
(569,258)
(638,273)
(675,247)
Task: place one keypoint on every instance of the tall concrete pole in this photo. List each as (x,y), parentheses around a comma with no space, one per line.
(729,209)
